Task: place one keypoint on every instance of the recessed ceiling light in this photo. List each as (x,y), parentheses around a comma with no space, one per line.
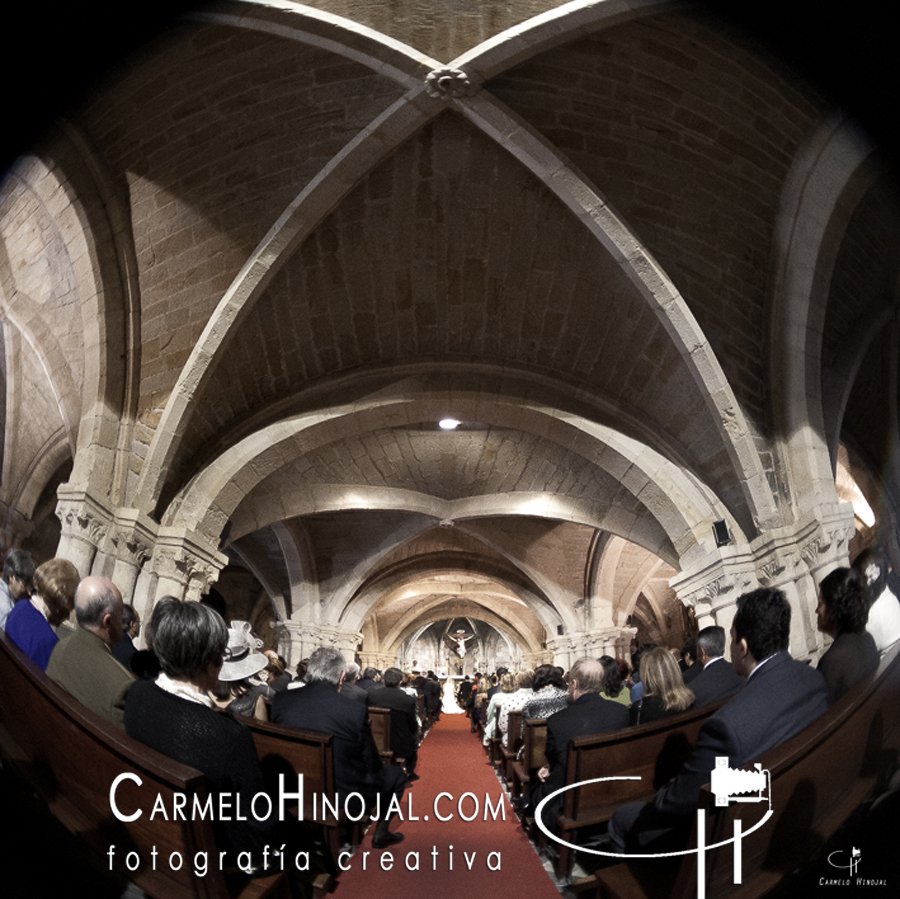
(448,424)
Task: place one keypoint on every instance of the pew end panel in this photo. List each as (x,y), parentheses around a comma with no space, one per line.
(650,753)
(290,751)
(380,720)
(534,742)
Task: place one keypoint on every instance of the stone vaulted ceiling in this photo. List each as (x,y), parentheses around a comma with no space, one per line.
(263,259)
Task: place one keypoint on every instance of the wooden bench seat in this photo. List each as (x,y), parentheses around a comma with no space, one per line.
(652,753)
(513,745)
(71,757)
(534,741)
(292,750)
(818,779)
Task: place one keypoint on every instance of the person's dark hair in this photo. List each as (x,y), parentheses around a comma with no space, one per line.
(546,676)
(845,599)
(56,582)
(689,649)
(763,619)
(188,637)
(156,616)
(18,563)
(326,664)
(712,641)
(612,677)
(129,616)
(370,673)
(636,657)
(392,677)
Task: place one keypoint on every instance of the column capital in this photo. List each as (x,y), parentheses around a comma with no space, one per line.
(185,563)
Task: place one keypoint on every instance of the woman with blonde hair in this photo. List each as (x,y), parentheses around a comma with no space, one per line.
(507,686)
(480,692)
(664,690)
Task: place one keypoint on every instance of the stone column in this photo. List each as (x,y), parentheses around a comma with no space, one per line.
(85,526)
(131,545)
(184,565)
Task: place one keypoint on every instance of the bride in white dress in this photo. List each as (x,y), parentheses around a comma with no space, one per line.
(449,705)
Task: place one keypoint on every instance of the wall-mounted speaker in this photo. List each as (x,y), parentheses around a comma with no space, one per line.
(720,532)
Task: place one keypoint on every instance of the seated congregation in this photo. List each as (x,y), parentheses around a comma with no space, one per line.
(194,691)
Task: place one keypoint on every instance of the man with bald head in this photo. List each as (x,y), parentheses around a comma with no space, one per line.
(587,713)
(82,663)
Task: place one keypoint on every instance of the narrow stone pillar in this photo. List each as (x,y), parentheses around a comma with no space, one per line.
(85,526)
(131,545)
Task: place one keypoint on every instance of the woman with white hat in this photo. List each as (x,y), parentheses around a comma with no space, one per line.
(235,691)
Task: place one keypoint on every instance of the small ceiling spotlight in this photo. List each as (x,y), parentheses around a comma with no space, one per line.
(449,424)
(720,532)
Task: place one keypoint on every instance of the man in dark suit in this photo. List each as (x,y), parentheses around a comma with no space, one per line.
(370,680)
(464,692)
(357,764)
(432,691)
(781,697)
(587,713)
(131,629)
(404,721)
(717,678)
(350,687)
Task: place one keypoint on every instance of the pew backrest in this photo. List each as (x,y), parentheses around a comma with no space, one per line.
(652,752)
(818,779)
(380,720)
(514,732)
(534,741)
(290,751)
(72,757)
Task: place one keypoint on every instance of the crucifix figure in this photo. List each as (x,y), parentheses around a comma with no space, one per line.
(460,638)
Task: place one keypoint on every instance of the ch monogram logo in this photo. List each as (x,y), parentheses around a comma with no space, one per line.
(834,859)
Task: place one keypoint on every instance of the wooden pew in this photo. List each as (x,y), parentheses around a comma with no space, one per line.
(380,720)
(289,751)
(513,744)
(653,752)
(534,741)
(424,723)
(495,746)
(478,712)
(71,757)
(818,779)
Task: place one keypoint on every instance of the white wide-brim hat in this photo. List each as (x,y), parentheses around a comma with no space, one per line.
(242,658)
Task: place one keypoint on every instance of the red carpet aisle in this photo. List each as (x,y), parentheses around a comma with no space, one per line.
(451,761)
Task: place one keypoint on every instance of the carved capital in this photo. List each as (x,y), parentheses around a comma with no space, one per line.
(84,521)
